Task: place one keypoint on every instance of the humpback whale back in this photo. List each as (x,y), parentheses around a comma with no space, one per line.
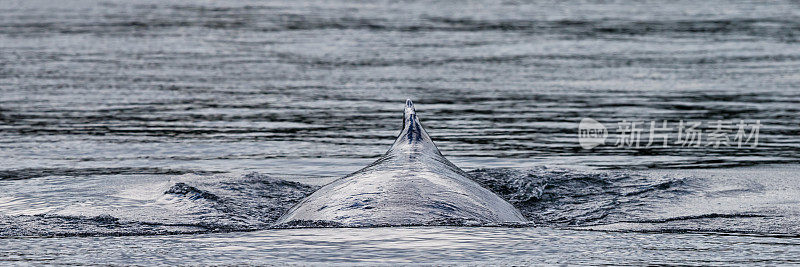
(412,184)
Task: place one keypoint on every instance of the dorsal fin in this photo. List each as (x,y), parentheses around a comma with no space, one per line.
(413,135)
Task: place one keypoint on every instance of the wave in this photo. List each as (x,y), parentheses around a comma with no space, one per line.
(28,173)
(196,204)
(267,20)
(548,197)
(558,197)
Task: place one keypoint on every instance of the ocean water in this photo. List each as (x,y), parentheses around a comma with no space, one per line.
(147,132)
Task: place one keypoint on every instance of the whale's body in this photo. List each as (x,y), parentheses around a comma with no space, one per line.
(412,184)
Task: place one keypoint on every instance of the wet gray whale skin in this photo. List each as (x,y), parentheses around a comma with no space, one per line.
(412,184)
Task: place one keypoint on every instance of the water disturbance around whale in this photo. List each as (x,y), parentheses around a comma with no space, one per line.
(412,184)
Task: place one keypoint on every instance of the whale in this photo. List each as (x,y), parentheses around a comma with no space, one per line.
(411,184)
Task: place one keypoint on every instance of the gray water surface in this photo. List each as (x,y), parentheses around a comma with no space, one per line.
(438,245)
(317,88)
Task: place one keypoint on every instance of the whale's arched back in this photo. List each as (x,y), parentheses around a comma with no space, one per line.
(412,184)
